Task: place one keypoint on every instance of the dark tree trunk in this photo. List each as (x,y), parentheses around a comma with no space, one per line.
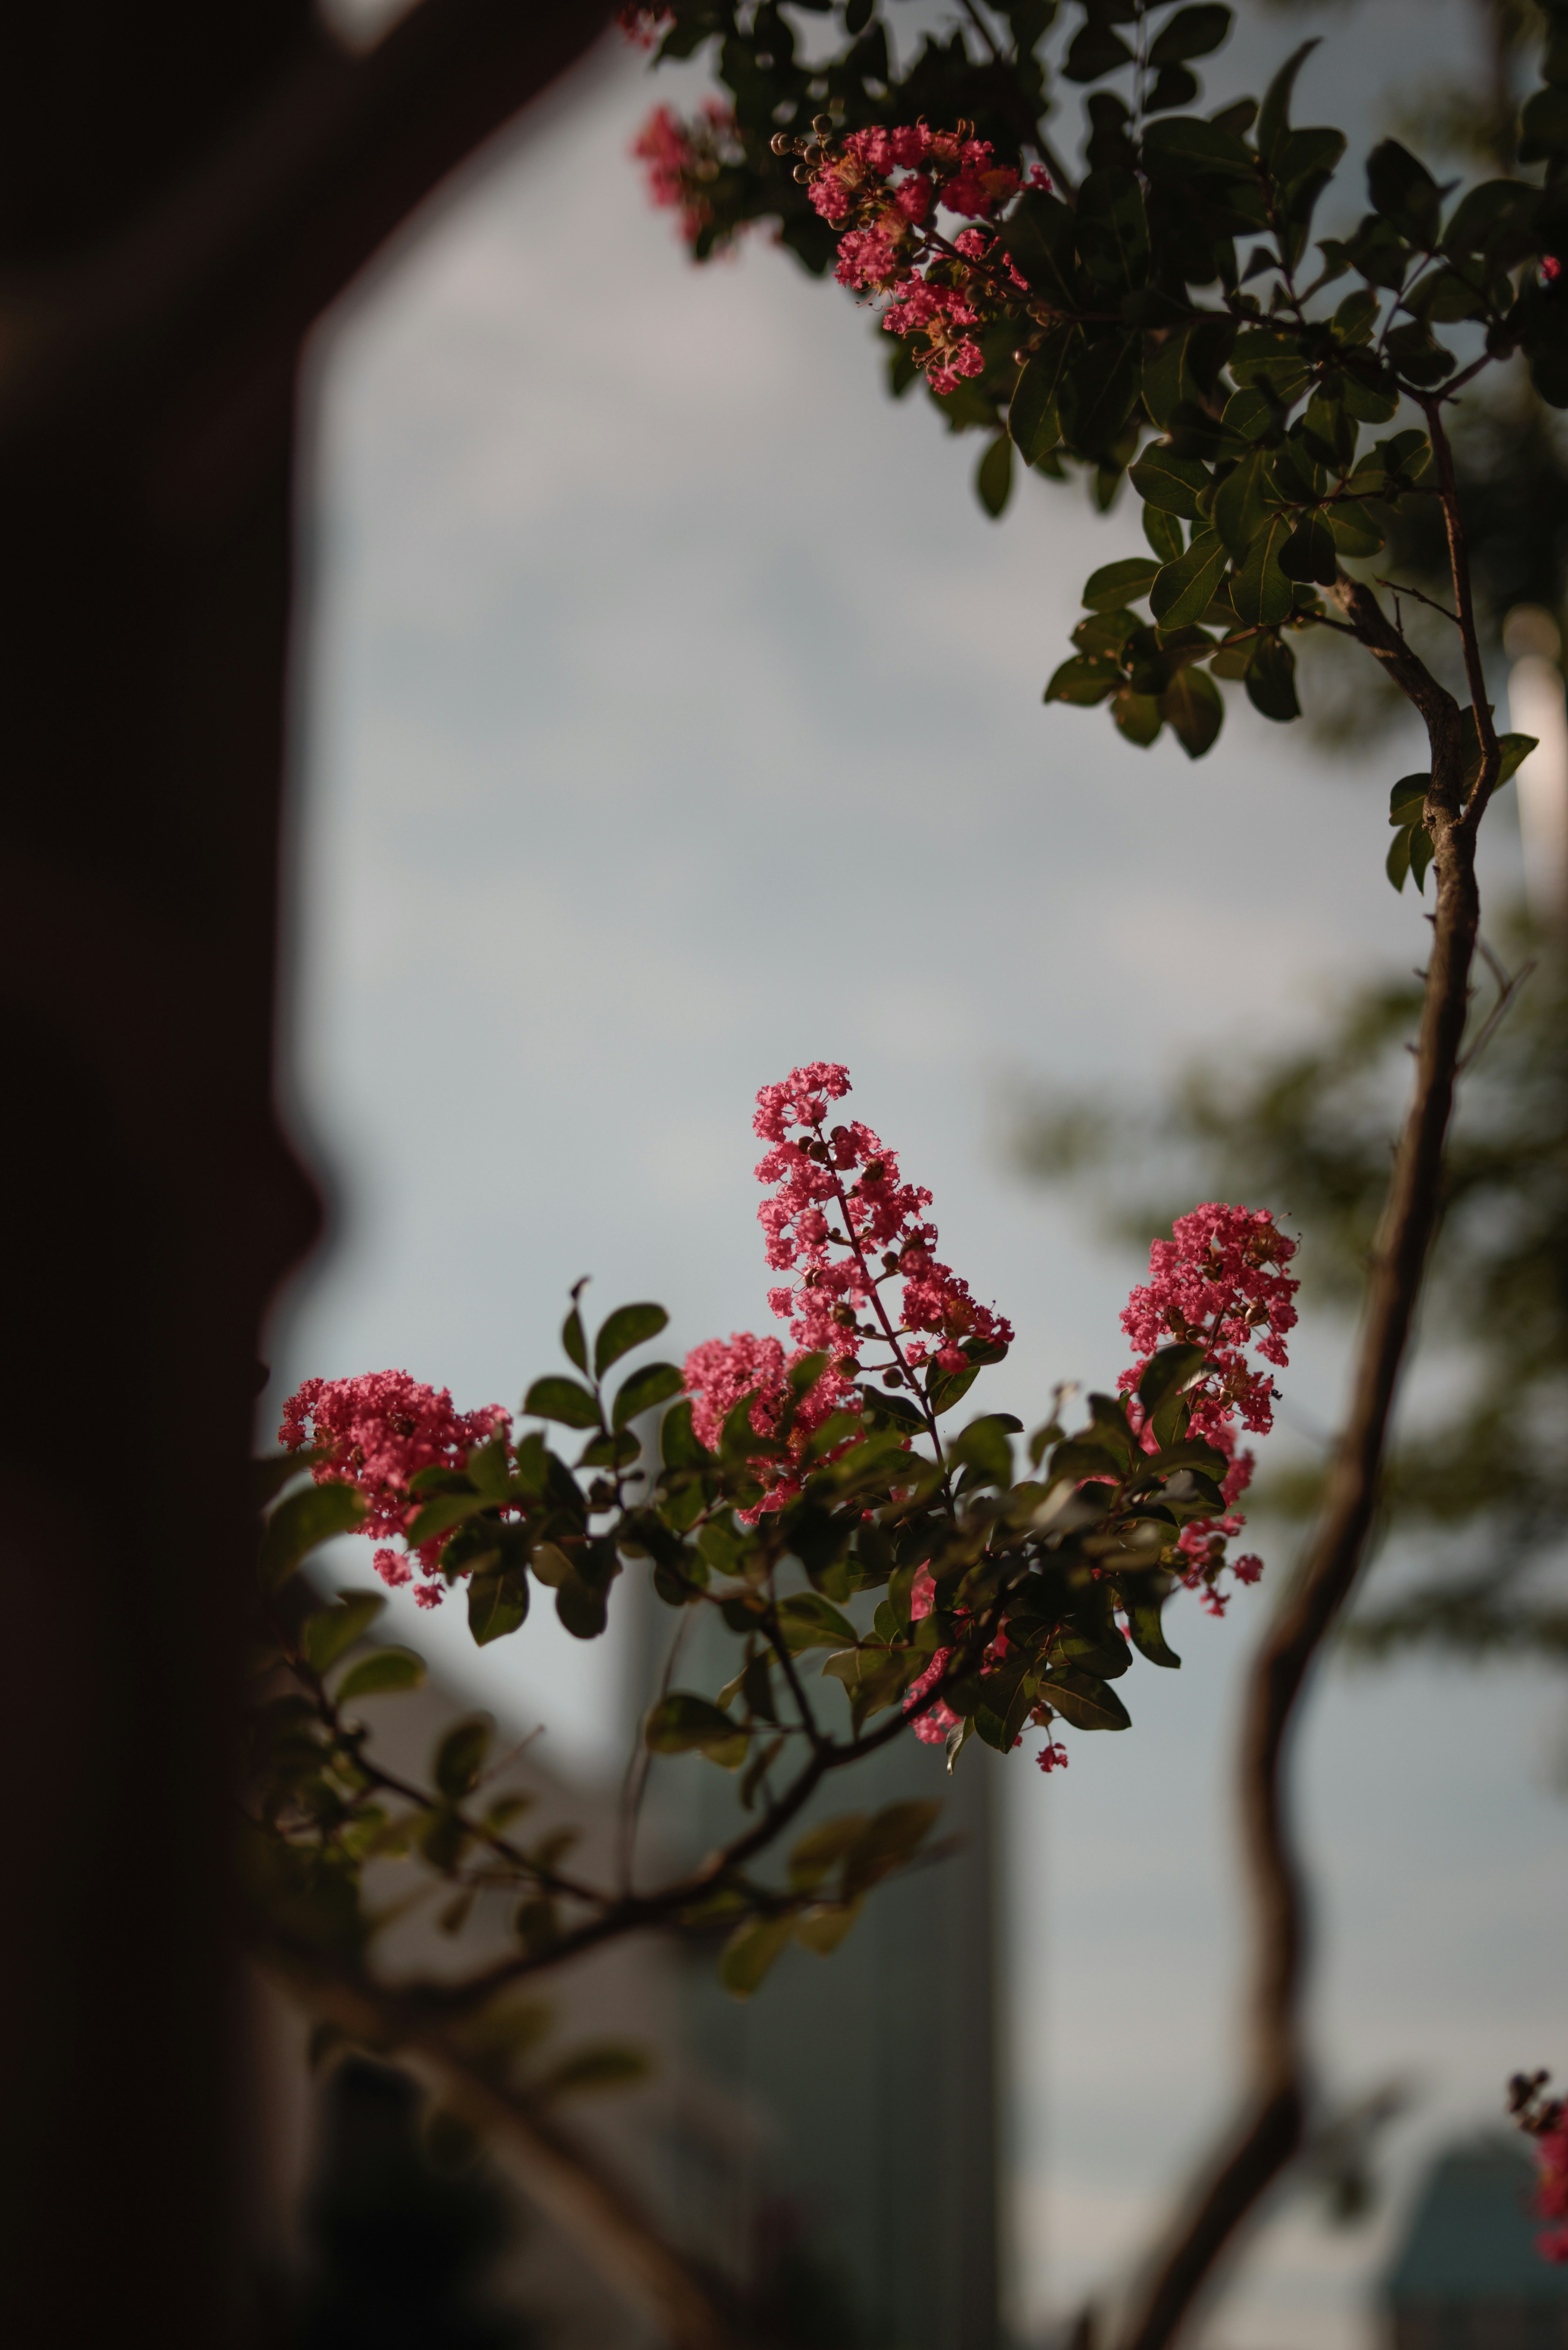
(180,195)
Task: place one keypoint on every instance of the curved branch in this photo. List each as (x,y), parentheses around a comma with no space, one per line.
(1267,2130)
(602,2218)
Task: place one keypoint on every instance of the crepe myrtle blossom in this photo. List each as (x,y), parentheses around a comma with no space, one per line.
(1544,2118)
(1218,1282)
(858,1239)
(375,1432)
(684,159)
(884,191)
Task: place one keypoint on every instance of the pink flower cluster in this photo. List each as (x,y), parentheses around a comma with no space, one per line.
(839,1204)
(1218,1282)
(376,1431)
(889,244)
(643,24)
(684,158)
(1551,2197)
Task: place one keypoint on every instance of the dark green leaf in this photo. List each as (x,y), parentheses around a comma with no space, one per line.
(1407,800)
(807,1621)
(1397,865)
(1088,1702)
(628,1326)
(654,1383)
(301,1524)
(1182,590)
(1032,418)
(382,1671)
(1138,716)
(1039,238)
(993,476)
(1193,708)
(1404,191)
(1084,680)
(460,1758)
(1240,506)
(1260,591)
(1113,236)
(1168,1372)
(1184,146)
(497,1604)
(1271,679)
(1096,394)
(1149,1634)
(562,1399)
(1190,33)
(1094,51)
(1309,553)
(439,1516)
(889,1840)
(983,1446)
(1170,482)
(1164,534)
(1274,115)
(750,1951)
(1422,849)
(682,1722)
(1117,584)
(330,1633)
(1077,1460)
(572,1341)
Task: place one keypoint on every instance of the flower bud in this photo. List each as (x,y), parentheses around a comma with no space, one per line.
(822,124)
(781,143)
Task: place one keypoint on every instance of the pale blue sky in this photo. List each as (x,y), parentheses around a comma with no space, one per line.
(669,714)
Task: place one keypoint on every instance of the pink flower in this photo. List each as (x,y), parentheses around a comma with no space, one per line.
(1550,271)
(642,24)
(376,1431)
(867,261)
(1053,1757)
(684,158)
(1218,1282)
(720,1371)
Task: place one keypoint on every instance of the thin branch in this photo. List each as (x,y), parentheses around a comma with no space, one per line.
(1459,565)
(554,2170)
(1396,588)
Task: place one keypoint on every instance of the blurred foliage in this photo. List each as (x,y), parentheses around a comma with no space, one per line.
(1481,1478)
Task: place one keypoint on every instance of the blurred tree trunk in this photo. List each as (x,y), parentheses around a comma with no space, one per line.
(183,187)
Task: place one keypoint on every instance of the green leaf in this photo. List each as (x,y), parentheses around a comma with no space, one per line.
(1164,534)
(439,1516)
(1084,680)
(1241,507)
(1077,1460)
(460,1758)
(983,1446)
(1094,51)
(684,1723)
(330,1633)
(1097,393)
(1271,679)
(678,1445)
(822,1927)
(1088,1702)
(1031,417)
(628,1326)
(750,1951)
(1149,1634)
(1274,115)
(268,1477)
(378,1674)
(809,1621)
(1113,235)
(1190,33)
(1397,865)
(1038,237)
(1422,850)
(574,1344)
(1168,1373)
(497,1604)
(1184,146)
(821,1849)
(654,1383)
(1404,191)
(888,1842)
(1170,482)
(1514,750)
(1138,716)
(1351,527)
(993,476)
(1260,591)
(301,1524)
(1116,584)
(1309,553)
(1182,590)
(562,1399)
(1194,709)
(1407,800)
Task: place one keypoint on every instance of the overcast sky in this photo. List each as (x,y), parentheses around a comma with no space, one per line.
(669,714)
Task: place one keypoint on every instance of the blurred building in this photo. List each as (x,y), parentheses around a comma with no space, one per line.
(1467,2275)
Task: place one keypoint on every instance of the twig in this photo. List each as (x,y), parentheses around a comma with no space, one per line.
(1398,589)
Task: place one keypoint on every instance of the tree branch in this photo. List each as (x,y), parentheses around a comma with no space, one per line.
(1267,2129)
(225,275)
(594,2211)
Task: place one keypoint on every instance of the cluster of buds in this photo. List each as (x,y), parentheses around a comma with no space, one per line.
(882,190)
